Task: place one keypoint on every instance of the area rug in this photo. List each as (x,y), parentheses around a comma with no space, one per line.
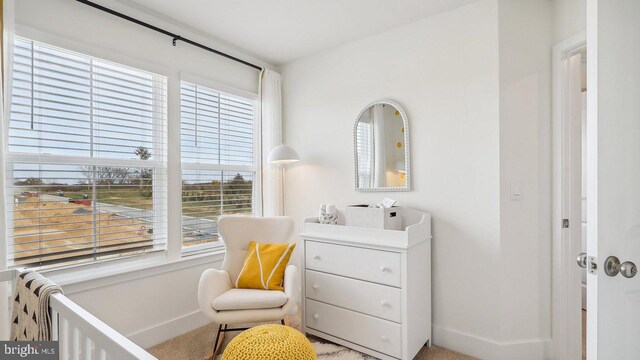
(337,352)
(326,351)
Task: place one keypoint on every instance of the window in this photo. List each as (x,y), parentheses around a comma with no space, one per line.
(218,150)
(86,158)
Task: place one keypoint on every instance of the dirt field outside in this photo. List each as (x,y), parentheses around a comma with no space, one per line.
(67,229)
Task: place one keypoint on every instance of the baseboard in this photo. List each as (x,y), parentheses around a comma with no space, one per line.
(156,334)
(489,349)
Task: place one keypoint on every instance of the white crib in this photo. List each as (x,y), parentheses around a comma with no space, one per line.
(82,335)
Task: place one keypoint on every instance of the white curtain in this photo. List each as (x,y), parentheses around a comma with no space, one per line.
(271,100)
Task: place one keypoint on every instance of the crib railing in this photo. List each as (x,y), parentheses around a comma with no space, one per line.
(81,335)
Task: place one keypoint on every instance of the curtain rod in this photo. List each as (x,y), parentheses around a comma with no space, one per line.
(175,37)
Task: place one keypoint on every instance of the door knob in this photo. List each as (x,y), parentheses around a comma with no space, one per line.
(612,267)
(628,269)
(582,260)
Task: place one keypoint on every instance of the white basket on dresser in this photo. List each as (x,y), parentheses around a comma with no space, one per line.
(369,289)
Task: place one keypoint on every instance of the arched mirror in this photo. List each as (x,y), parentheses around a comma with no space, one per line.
(381,148)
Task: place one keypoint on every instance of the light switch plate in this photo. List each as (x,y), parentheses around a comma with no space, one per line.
(516,191)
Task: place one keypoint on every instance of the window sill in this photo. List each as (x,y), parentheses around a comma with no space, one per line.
(205,248)
(84,278)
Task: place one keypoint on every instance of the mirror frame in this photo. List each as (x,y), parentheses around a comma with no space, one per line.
(407,152)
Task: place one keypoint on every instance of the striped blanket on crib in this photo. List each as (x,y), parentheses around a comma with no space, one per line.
(30,314)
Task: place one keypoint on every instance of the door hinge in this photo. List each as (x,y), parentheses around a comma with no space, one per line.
(565,223)
(592,265)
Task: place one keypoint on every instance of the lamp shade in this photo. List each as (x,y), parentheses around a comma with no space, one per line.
(283,155)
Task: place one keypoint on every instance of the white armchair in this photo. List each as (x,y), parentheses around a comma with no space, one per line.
(223,303)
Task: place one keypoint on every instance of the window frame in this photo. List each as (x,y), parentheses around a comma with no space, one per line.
(159,201)
(173,255)
(257,155)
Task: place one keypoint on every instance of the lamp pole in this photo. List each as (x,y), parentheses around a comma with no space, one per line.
(282,187)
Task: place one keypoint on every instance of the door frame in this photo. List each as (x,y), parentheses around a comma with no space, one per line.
(566,331)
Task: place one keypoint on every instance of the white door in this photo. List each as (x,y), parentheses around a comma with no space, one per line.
(613,38)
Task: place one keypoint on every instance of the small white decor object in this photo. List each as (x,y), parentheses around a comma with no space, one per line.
(328,214)
(374,217)
(386,203)
(369,289)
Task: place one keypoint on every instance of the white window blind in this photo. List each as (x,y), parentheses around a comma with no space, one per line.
(86,159)
(218,145)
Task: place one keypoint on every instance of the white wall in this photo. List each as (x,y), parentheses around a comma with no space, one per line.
(475,83)
(148,306)
(525,162)
(160,305)
(444,71)
(569,18)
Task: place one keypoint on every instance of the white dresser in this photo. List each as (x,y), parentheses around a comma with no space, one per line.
(369,289)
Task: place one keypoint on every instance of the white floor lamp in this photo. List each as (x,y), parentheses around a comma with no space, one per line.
(283,156)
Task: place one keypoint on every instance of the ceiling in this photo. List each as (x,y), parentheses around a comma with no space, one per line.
(279,31)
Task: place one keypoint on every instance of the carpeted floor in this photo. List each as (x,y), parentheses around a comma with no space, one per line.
(197,345)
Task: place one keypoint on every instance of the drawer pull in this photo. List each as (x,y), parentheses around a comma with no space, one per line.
(316,316)
(384,268)
(316,257)
(315,286)
(384,338)
(385,303)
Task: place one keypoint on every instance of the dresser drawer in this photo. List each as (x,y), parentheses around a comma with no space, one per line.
(378,300)
(377,266)
(377,334)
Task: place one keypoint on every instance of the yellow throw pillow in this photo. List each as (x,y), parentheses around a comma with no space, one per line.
(264,266)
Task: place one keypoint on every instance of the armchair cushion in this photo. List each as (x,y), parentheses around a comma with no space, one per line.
(237,232)
(248,299)
(264,265)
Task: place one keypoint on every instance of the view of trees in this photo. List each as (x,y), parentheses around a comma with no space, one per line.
(237,194)
(33,181)
(212,198)
(133,187)
(108,176)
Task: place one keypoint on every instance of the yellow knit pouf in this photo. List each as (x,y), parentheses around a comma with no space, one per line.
(269,342)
